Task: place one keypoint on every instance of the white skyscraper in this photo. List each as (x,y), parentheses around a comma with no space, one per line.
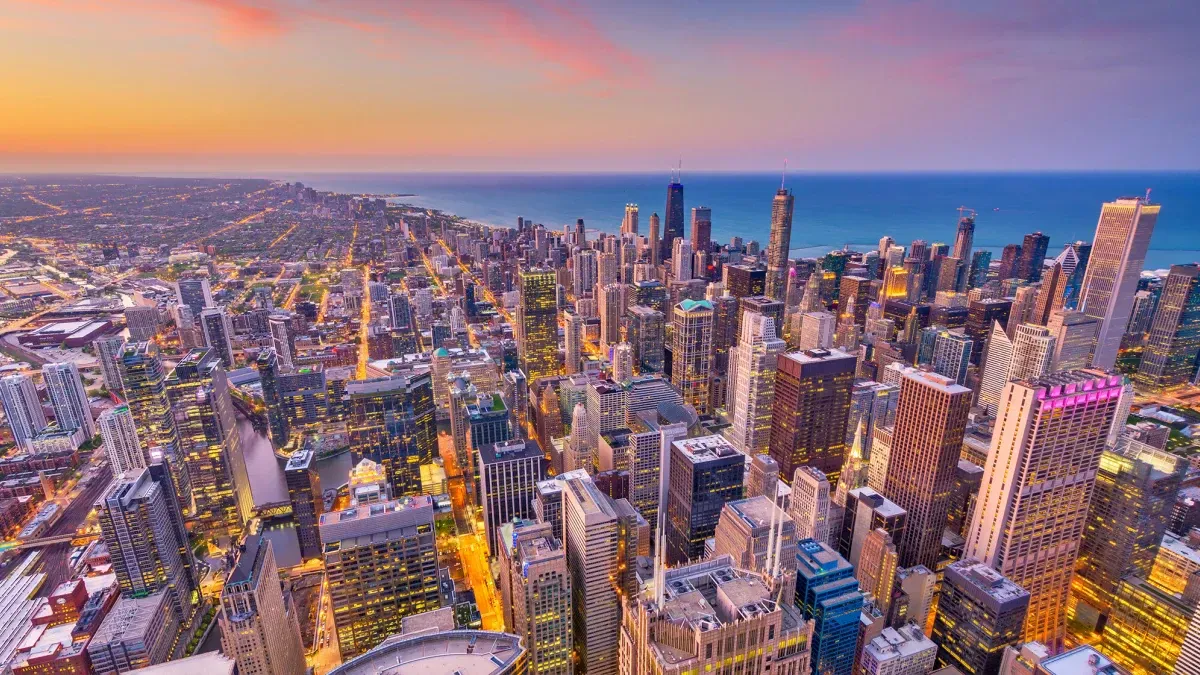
(997,362)
(121,444)
(1027,356)
(68,397)
(218,331)
(816,330)
(810,504)
(579,450)
(629,223)
(681,259)
(22,408)
(574,335)
(1074,339)
(1114,267)
(752,366)
(590,529)
(622,359)
(108,350)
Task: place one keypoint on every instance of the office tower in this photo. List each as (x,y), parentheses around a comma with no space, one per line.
(1050,296)
(780,244)
(752,366)
(898,651)
(674,215)
(691,351)
(590,529)
(268,367)
(654,242)
(218,332)
(146,392)
(611,302)
(283,341)
(980,613)
(195,293)
(931,420)
(149,550)
(681,260)
(812,405)
(828,595)
(537,323)
(584,270)
(964,238)
(24,411)
(1024,300)
(579,451)
(704,473)
(574,340)
(137,633)
(1169,358)
(607,406)
(1033,257)
(1148,626)
(645,331)
(872,405)
(1032,508)
(743,281)
(1028,356)
(854,297)
(762,478)
(381,565)
(622,362)
(1130,510)
(121,445)
(981,263)
(1074,336)
(1113,269)
(508,475)
(817,331)
(651,434)
(810,504)
(108,355)
(867,511)
(1010,262)
(629,222)
(259,626)
(708,615)
(392,423)
(1189,654)
(304,493)
(209,442)
(952,355)
(997,368)
(981,315)
(142,322)
(1141,315)
(536,587)
(878,561)
(701,228)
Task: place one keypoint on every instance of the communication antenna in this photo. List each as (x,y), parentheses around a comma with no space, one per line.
(783,179)
(1147,196)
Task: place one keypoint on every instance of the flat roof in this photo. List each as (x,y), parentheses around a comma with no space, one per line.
(465,652)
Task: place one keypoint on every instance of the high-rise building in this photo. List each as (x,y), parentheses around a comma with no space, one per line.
(590,528)
(704,473)
(855,297)
(1032,508)
(681,260)
(867,511)
(392,423)
(137,633)
(537,323)
(259,626)
(810,504)
(381,566)
(701,229)
(611,302)
(218,333)
(269,376)
(708,615)
(931,421)
(760,537)
(898,651)
(952,355)
(304,494)
(878,562)
(509,472)
(22,408)
(1028,355)
(574,334)
(828,595)
(622,362)
(195,292)
(762,478)
(209,442)
(810,411)
(964,239)
(1050,296)
(1074,336)
(1148,626)
(1113,269)
(780,244)
(536,590)
(1130,510)
(121,445)
(817,331)
(1169,359)
(108,355)
(645,331)
(1033,257)
(691,351)
(142,322)
(673,226)
(654,241)
(752,366)
(146,393)
(872,405)
(629,223)
(981,315)
(980,613)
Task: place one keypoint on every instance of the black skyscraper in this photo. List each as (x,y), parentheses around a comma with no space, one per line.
(673,227)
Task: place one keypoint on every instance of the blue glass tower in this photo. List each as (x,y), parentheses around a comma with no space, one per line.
(828,595)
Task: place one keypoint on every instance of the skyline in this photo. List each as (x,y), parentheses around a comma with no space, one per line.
(278,86)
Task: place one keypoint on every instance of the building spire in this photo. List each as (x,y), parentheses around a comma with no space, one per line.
(783,179)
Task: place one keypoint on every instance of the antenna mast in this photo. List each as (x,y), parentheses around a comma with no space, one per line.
(783,179)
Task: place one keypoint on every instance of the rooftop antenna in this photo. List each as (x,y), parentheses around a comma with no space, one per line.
(1147,196)
(783,179)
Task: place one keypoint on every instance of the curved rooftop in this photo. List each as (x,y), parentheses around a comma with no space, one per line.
(469,652)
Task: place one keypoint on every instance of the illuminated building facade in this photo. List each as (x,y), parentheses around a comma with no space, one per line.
(691,351)
(392,423)
(1169,358)
(537,323)
(810,411)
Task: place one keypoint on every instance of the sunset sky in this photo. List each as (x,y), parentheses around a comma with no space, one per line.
(366,85)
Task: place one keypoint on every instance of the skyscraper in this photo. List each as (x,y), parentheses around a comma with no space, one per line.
(1170,357)
(1074,336)
(68,397)
(611,302)
(622,362)
(1031,511)
(980,613)
(269,376)
(952,355)
(259,626)
(590,529)
(828,595)
(392,423)
(304,494)
(284,342)
(22,408)
(752,366)
(674,214)
(811,407)
(509,472)
(811,494)
(537,582)
(218,333)
(1033,257)
(121,445)
(209,441)
(108,355)
(646,328)
(629,222)
(867,511)
(931,421)
(705,473)
(381,566)
(964,239)
(654,241)
(574,340)
(779,245)
(1113,269)
(195,292)
(691,351)
(981,314)
(537,323)
(701,230)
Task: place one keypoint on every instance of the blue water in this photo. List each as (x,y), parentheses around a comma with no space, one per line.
(832,210)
